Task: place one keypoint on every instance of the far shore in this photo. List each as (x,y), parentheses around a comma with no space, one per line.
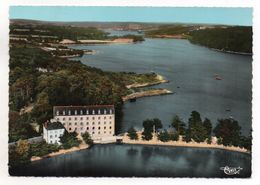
(115,41)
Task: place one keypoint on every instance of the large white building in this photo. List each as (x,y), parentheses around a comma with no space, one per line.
(52,131)
(97,120)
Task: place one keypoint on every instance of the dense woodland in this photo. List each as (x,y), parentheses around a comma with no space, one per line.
(226,38)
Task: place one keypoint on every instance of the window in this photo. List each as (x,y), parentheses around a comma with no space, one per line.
(64,113)
(87,111)
(110,132)
(104,122)
(98,111)
(98,132)
(110,111)
(87,123)
(110,117)
(93,118)
(81,118)
(98,128)
(104,127)
(51,142)
(99,122)
(93,128)
(104,132)
(75,112)
(69,119)
(75,123)
(93,132)
(55,135)
(81,123)
(63,124)
(51,136)
(81,128)
(93,123)
(87,118)
(105,117)
(75,128)
(69,123)
(105,111)
(110,127)
(69,128)
(110,122)
(81,112)
(93,112)
(87,128)
(75,118)
(69,112)
(98,117)
(57,113)
(64,119)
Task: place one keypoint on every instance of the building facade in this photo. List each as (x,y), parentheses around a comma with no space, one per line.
(97,120)
(52,131)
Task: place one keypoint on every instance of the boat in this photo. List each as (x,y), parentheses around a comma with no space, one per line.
(132,100)
(217,77)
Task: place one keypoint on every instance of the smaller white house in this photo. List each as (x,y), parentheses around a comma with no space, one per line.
(52,131)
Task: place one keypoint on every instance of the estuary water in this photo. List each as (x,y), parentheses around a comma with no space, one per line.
(139,161)
(191,70)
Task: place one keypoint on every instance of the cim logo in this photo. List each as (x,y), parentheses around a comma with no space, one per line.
(231,170)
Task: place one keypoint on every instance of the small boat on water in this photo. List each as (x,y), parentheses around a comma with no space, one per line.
(217,77)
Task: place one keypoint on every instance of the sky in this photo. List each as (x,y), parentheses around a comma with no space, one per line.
(228,16)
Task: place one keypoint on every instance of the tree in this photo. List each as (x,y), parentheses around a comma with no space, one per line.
(175,136)
(22,147)
(196,129)
(87,138)
(147,135)
(178,125)
(164,136)
(69,140)
(207,124)
(157,124)
(132,134)
(229,131)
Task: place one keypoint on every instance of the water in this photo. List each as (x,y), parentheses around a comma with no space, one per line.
(139,161)
(187,66)
(192,69)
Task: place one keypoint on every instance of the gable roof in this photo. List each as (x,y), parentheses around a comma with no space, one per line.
(53,125)
(83,110)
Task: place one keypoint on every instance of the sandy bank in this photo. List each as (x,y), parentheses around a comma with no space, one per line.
(159,79)
(62,151)
(153,92)
(180,143)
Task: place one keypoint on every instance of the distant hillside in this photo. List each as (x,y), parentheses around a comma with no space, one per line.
(236,39)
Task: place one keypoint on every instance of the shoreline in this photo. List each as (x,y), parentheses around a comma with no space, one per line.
(146,93)
(156,142)
(60,152)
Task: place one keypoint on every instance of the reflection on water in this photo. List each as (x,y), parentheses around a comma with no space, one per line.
(140,161)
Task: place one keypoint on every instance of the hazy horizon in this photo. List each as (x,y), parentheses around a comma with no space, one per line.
(157,15)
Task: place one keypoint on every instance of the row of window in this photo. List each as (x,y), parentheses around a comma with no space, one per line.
(81,112)
(54,142)
(82,124)
(55,136)
(105,132)
(88,128)
(81,118)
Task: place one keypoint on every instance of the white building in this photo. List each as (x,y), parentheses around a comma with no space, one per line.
(52,131)
(97,120)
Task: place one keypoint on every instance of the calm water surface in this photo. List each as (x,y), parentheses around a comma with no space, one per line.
(139,161)
(190,69)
